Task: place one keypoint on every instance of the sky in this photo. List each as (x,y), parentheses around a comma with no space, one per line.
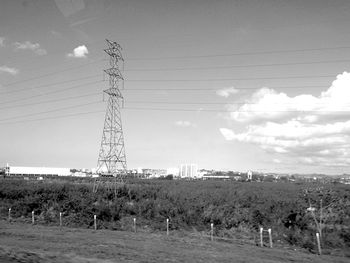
(227,84)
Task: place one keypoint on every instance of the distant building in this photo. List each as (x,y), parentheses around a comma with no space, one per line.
(215,177)
(154,173)
(189,171)
(36,171)
(173,171)
(249,175)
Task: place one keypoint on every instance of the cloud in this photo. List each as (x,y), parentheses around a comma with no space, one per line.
(6,69)
(27,45)
(276,161)
(310,130)
(184,124)
(226,92)
(56,34)
(2,41)
(267,104)
(79,52)
(69,8)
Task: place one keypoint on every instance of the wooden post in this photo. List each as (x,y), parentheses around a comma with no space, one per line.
(60,219)
(270,237)
(321,217)
(261,237)
(33,219)
(95,223)
(135,224)
(212,231)
(167,226)
(10,214)
(318,243)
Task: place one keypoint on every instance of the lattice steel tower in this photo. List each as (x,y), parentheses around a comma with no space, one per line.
(112,159)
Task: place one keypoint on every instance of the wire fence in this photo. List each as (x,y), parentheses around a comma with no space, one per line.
(61,219)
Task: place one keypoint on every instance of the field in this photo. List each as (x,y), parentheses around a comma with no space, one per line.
(237,210)
(26,243)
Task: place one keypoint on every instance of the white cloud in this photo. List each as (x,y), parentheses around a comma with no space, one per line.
(184,124)
(6,69)
(310,130)
(226,92)
(79,52)
(56,34)
(2,41)
(27,45)
(267,104)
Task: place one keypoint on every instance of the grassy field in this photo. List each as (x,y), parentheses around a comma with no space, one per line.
(26,243)
(237,209)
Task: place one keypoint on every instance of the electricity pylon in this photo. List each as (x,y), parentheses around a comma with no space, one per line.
(112,159)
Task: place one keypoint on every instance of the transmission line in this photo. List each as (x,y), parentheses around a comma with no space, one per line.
(44,75)
(244,53)
(169,110)
(240,66)
(49,101)
(49,111)
(52,118)
(48,85)
(224,79)
(216,88)
(51,92)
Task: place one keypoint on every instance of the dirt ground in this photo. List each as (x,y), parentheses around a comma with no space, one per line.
(28,244)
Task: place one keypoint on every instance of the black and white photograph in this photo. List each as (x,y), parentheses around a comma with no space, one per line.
(174,131)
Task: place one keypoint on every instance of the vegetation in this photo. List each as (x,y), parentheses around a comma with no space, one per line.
(235,208)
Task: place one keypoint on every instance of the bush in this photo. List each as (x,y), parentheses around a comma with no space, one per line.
(231,206)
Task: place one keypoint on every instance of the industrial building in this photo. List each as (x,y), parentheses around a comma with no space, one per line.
(36,171)
(189,171)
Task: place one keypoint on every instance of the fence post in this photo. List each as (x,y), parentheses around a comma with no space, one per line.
(318,243)
(60,219)
(95,222)
(270,237)
(261,237)
(212,231)
(10,214)
(135,224)
(167,226)
(33,219)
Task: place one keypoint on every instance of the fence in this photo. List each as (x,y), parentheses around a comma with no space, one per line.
(209,235)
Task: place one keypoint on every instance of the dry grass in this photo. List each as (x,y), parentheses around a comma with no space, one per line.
(26,243)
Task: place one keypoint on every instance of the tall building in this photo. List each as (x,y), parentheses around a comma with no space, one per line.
(189,171)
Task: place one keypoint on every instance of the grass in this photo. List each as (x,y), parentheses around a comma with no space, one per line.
(26,243)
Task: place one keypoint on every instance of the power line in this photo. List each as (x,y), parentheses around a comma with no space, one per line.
(51,92)
(156,102)
(97,75)
(50,111)
(45,75)
(49,101)
(200,68)
(241,66)
(243,53)
(224,79)
(213,110)
(216,88)
(157,69)
(48,85)
(179,110)
(217,103)
(52,118)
